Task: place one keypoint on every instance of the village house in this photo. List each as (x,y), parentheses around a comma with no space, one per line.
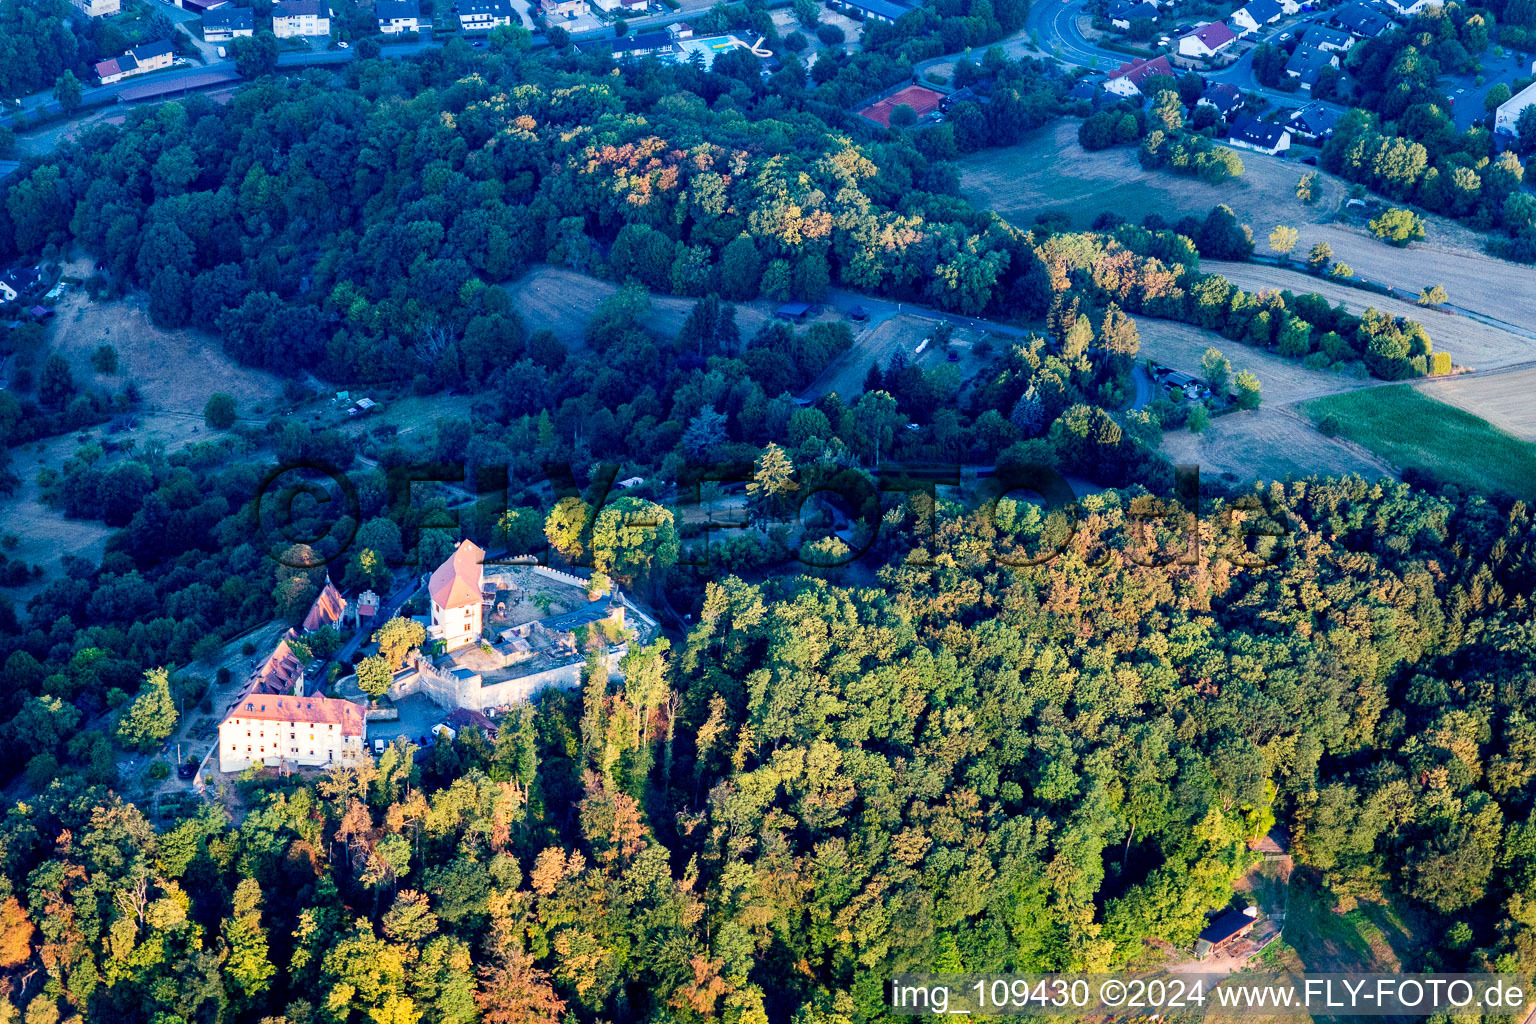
(484,15)
(137,61)
(1124,13)
(292,19)
(1314,121)
(1332,40)
(17,282)
(548,8)
(1254,15)
(1260,136)
(1361,21)
(1307,64)
(1127,79)
(395,17)
(201,6)
(288,731)
(1506,118)
(228,22)
(98,8)
(456,600)
(1224,98)
(1409,8)
(1207,40)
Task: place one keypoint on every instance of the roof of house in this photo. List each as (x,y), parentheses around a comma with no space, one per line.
(1361,20)
(148,51)
(884,8)
(1308,62)
(314,710)
(21,278)
(456,583)
(1126,10)
(1226,926)
(1262,11)
(1256,132)
(391,10)
(299,9)
(794,308)
(1084,89)
(1214,35)
(277,673)
(1139,71)
(1316,119)
(1224,96)
(116,66)
(230,18)
(500,8)
(328,608)
(1319,35)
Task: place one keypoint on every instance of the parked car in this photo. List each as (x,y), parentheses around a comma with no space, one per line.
(343,44)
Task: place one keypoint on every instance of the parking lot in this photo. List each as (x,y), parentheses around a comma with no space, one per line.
(1467,96)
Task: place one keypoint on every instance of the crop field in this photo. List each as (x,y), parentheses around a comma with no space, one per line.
(561,300)
(1050,171)
(1412,430)
(1507,400)
(1471,343)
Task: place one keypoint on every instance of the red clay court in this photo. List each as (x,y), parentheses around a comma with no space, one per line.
(924,101)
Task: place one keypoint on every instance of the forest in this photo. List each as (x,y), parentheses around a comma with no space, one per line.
(961,753)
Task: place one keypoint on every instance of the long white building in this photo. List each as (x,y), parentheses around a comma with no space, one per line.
(1508,114)
(277,729)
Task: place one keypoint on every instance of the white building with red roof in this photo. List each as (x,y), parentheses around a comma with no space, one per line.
(1126,80)
(1207,40)
(283,730)
(456,600)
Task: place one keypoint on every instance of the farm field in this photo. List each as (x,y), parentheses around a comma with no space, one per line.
(1414,431)
(1050,171)
(1269,443)
(1503,399)
(1284,380)
(561,300)
(1470,342)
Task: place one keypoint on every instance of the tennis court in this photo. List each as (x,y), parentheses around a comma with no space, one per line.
(924,101)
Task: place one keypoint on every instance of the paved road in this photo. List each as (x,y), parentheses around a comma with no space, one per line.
(883,309)
(387,610)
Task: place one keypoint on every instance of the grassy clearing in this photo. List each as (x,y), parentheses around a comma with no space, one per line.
(1414,431)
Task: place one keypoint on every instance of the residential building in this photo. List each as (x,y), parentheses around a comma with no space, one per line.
(1307,64)
(397,16)
(607,5)
(1127,79)
(1249,132)
(1507,117)
(201,6)
(1225,98)
(1084,88)
(681,30)
(1334,40)
(1408,8)
(455,592)
(137,61)
(1361,21)
(643,44)
(1207,40)
(1254,15)
(549,8)
(1123,13)
(98,8)
(283,730)
(228,22)
(1314,121)
(484,15)
(17,282)
(292,19)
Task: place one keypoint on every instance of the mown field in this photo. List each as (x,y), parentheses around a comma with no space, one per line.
(1413,431)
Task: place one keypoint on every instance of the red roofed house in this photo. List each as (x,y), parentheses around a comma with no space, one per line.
(282,672)
(367,606)
(1207,40)
(283,729)
(328,609)
(456,599)
(1126,80)
(115,69)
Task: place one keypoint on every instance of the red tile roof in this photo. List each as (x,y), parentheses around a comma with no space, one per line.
(456,583)
(311,710)
(327,610)
(1214,36)
(1139,71)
